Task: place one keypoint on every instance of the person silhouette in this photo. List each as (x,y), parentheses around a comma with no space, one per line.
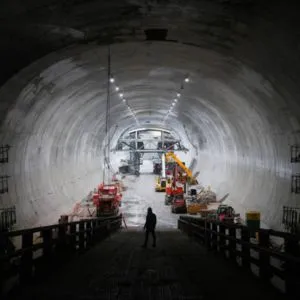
(150,227)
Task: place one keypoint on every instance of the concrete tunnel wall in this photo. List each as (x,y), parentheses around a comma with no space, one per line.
(240,110)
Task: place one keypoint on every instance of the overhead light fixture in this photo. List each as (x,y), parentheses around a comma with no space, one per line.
(173,104)
(175,100)
(112,80)
(117,88)
(187,79)
(121,95)
(124,100)
(178,95)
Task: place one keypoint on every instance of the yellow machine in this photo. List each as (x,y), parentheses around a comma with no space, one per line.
(161,184)
(190,178)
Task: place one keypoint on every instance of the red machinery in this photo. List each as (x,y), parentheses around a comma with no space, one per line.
(107,200)
(170,166)
(173,189)
(179,204)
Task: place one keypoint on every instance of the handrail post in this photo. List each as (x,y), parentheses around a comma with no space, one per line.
(202,231)
(209,235)
(292,273)
(26,258)
(81,235)
(232,243)
(62,240)
(245,237)
(98,230)
(93,236)
(73,237)
(214,236)
(47,243)
(222,239)
(88,233)
(264,258)
(206,234)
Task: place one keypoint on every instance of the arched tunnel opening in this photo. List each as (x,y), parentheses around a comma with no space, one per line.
(220,77)
(238,124)
(57,124)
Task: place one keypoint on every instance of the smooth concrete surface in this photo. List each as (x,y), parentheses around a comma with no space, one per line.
(239,112)
(177,268)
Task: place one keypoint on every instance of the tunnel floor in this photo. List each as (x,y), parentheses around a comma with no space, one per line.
(178,268)
(140,195)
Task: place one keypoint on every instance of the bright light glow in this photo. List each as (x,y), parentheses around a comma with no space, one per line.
(175,100)
(187,79)
(178,95)
(112,80)
(117,88)
(124,100)
(173,104)
(121,95)
(156,133)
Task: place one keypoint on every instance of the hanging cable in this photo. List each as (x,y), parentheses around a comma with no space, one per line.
(107,121)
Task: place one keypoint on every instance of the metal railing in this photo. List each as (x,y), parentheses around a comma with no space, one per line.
(291,219)
(44,248)
(4,153)
(280,261)
(7,218)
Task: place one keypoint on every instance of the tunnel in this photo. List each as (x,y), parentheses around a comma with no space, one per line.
(234,63)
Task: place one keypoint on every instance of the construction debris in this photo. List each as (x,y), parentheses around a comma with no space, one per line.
(206,196)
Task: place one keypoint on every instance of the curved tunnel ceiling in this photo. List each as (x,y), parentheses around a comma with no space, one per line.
(240,109)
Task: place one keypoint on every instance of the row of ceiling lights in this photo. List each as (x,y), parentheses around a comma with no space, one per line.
(178,95)
(121,95)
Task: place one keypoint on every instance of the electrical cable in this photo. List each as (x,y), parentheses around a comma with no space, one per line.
(107,120)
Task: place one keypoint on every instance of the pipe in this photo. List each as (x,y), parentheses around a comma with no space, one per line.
(163,166)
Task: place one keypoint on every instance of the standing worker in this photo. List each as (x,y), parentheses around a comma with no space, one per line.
(150,227)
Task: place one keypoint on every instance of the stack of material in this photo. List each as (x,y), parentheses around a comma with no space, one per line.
(207,196)
(195,207)
(84,212)
(205,203)
(202,201)
(84,209)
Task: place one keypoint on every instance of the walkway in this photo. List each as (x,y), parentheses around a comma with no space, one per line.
(177,269)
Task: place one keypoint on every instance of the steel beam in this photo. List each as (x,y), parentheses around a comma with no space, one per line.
(148,140)
(149,150)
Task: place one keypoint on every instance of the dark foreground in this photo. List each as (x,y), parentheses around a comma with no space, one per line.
(177,268)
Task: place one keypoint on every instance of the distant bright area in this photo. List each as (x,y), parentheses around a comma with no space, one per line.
(141,195)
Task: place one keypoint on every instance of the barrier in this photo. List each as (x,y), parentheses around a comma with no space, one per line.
(234,242)
(45,248)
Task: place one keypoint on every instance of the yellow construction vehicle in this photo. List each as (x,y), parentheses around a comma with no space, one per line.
(161,181)
(190,178)
(161,184)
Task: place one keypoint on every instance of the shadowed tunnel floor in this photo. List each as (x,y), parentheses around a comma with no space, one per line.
(179,268)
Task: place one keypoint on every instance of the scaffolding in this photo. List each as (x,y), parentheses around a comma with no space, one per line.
(4,149)
(147,140)
(291,218)
(7,218)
